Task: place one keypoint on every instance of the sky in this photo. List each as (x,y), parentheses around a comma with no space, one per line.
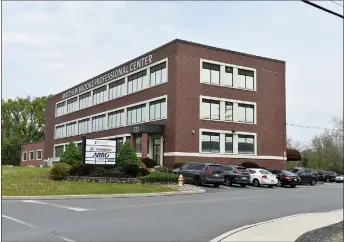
(48,47)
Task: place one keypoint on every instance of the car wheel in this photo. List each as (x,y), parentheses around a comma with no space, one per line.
(293,186)
(228,182)
(243,185)
(216,185)
(256,183)
(197,181)
(312,183)
(279,183)
(270,186)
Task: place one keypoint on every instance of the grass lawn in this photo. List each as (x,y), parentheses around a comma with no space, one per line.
(29,181)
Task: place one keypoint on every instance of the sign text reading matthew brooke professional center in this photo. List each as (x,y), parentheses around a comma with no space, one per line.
(113,74)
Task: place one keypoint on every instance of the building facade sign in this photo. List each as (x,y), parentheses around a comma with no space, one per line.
(100,152)
(111,75)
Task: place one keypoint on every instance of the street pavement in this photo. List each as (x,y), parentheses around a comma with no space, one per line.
(201,217)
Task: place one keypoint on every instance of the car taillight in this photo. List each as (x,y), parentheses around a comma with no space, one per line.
(208,171)
(236,171)
(264,177)
(288,177)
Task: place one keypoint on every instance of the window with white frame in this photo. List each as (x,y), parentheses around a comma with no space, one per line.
(60,109)
(71,129)
(158,74)
(31,155)
(210,142)
(210,109)
(228,76)
(136,114)
(245,113)
(157,110)
(24,156)
(60,131)
(210,73)
(246,144)
(138,144)
(228,111)
(58,150)
(72,105)
(99,123)
(116,89)
(39,155)
(85,100)
(137,81)
(116,119)
(228,143)
(83,126)
(99,95)
(245,79)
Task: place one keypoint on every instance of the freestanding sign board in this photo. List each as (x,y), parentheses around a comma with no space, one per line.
(100,152)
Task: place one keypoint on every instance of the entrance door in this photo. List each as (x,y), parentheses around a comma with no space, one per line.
(156,150)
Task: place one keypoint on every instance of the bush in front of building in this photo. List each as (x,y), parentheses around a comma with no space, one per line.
(82,170)
(60,171)
(144,172)
(71,155)
(150,163)
(98,171)
(157,176)
(162,169)
(127,156)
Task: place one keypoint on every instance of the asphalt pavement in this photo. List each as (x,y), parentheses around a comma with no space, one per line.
(199,217)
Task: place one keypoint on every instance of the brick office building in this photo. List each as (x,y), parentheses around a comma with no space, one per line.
(180,102)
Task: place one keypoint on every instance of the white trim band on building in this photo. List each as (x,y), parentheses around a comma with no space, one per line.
(233,156)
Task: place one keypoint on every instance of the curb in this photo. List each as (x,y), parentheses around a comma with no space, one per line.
(99,196)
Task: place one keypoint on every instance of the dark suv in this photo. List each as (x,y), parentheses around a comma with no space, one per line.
(307,175)
(327,176)
(199,173)
(236,175)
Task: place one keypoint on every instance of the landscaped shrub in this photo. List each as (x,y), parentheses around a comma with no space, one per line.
(127,156)
(143,172)
(157,176)
(161,169)
(71,155)
(82,170)
(131,169)
(60,171)
(115,173)
(150,163)
(98,171)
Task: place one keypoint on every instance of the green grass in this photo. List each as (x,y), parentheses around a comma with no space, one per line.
(27,181)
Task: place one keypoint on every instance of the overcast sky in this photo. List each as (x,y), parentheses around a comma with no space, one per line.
(51,46)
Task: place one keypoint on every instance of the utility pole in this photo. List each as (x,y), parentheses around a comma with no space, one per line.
(322,8)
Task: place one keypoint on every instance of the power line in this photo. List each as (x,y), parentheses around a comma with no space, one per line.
(336,3)
(311,127)
(322,8)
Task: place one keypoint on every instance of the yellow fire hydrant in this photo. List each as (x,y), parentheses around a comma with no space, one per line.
(180,181)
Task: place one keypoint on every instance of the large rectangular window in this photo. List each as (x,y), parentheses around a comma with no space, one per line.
(228,76)
(72,105)
(210,109)
(245,113)
(245,144)
(116,119)
(31,155)
(24,157)
(229,143)
(83,126)
(85,100)
(136,114)
(58,150)
(210,142)
(245,79)
(116,89)
(38,155)
(137,81)
(99,123)
(99,95)
(71,129)
(79,146)
(138,147)
(158,74)
(210,73)
(60,131)
(229,111)
(60,109)
(157,110)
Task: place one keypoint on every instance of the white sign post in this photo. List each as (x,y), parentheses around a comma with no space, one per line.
(100,152)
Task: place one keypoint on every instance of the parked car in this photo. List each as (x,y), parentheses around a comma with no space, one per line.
(199,173)
(260,177)
(287,178)
(236,175)
(326,176)
(307,175)
(339,178)
(275,172)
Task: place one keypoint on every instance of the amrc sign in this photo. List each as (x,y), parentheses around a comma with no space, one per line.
(102,152)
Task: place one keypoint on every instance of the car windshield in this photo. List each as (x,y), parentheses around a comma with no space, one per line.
(288,173)
(215,168)
(265,172)
(295,170)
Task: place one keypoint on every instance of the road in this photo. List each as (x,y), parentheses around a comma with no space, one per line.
(175,218)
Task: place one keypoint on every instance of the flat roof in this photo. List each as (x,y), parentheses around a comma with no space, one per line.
(170,43)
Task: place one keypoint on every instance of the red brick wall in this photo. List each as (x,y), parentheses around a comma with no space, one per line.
(32,147)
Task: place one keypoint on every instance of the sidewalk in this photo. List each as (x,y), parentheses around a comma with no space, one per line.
(282,229)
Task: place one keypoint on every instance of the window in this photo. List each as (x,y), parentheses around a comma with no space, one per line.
(136,114)
(31,155)
(215,168)
(128,138)
(79,146)
(226,168)
(59,150)
(210,142)
(229,111)
(24,157)
(116,119)
(39,155)
(137,81)
(98,123)
(138,147)
(245,144)
(83,126)
(99,95)
(251,171)
(246,113)
(228,76)
(210,109)
(72,105)
(245,79)
(60,131)
(210,73)
(71,129)
(60,109)
(116,89)
(158,74)
(229,143)
(157,110)
(85,100)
